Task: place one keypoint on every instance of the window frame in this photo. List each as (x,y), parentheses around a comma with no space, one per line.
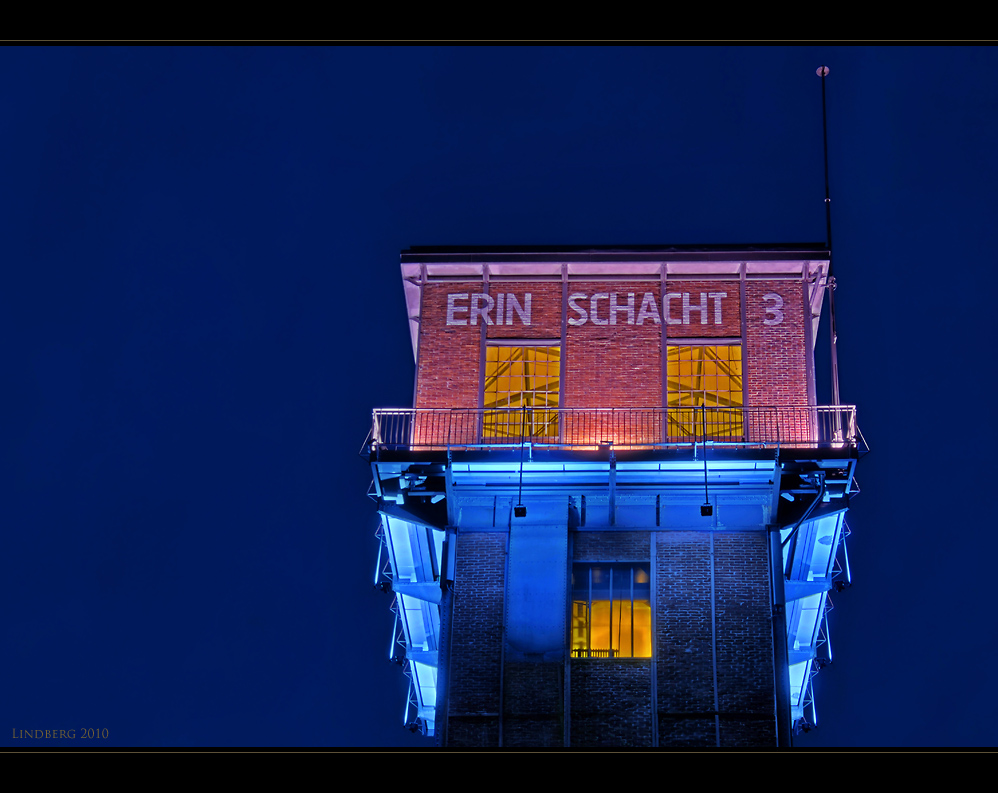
(514,435)
(727,423)
(589,652)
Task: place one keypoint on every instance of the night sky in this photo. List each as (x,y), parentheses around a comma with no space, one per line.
(201,305)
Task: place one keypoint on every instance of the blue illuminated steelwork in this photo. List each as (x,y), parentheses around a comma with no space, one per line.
(810,564)
(783,471)
(377,565)
(745,490)
(414,556)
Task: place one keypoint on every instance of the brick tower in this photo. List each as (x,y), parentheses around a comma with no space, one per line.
(614,514)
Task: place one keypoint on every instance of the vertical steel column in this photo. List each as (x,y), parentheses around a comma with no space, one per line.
(381,545)
(419,334)
(743,291)
(632,611)
(612,499)
(781,669)
(653,602)
(812,397)
(567,692)
(443,657)
(665,356)
(502,639)
(562,403)
(481,358)
(845,552)
(611,611)
(589,620)
(713,643)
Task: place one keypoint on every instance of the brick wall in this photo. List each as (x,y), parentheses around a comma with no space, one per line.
(704,323)
(745,673)
(476,640)
(683,638)
(775,354)
(611,702)
(611,546)
(533,703)
(743,638)
(545,315)
(448,371)
(616,365)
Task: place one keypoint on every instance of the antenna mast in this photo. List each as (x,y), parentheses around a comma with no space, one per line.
(822,72)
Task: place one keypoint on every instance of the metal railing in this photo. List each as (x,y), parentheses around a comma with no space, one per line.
(594,653)
(781,426)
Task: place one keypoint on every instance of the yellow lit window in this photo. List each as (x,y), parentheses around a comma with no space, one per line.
(705,376)
(611,611)
(521,392)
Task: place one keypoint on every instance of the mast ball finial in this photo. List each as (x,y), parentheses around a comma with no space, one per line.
(822,71)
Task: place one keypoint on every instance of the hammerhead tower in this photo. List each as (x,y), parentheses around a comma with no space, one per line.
(615,513)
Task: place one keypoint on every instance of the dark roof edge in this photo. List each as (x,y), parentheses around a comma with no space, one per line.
(514,253)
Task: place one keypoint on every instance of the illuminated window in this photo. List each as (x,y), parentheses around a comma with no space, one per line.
(521,392)
(611,611)
(705,376)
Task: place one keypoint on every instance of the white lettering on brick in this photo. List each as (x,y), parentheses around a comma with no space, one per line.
(592,307)
(453,308)
(688,308)
(649,310)
(717,297)
(502,309)
(615,308)
(666,304)
(477,312)
(774,309)
(512,304)
(583,314)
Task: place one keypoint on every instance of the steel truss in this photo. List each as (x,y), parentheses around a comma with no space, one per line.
(398,645)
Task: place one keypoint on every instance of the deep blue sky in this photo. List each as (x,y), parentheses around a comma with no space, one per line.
(201,305)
